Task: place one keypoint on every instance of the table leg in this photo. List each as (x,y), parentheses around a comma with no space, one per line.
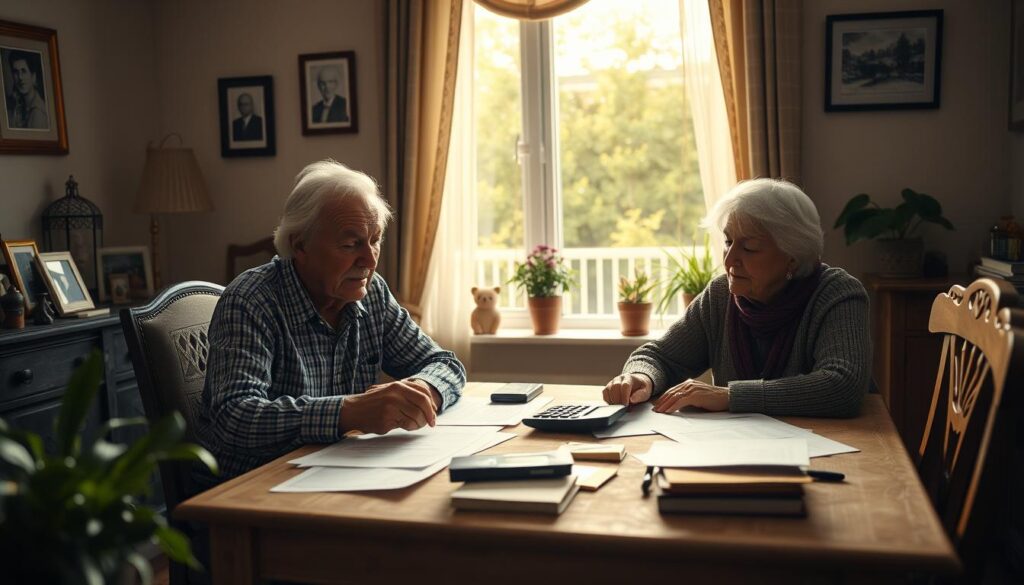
(231,560)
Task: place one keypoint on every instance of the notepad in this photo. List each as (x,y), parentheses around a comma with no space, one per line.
(546,496)
(591,477)
(597,451)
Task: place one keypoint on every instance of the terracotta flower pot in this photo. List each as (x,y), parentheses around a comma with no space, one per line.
(687,299)
(635,318)
(546,314)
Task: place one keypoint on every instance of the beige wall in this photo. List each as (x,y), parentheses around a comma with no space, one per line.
(107,63)
(199,42)
(959,153)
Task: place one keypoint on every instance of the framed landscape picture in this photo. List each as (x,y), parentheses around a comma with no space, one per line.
(327,86)
(130,263)
(883,60)
(32,120)
(246,116)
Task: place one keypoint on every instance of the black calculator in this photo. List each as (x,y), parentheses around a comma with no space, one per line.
(576,418)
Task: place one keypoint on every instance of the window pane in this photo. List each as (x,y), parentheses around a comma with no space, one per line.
(629,176)
(498,124)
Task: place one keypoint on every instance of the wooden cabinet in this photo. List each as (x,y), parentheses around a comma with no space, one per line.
(36,364)
(906,355)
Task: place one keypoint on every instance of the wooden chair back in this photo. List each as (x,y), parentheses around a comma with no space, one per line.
(236,251)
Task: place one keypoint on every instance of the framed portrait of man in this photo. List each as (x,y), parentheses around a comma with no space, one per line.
(32,119)
(67,289)
(327,84)
(246,116)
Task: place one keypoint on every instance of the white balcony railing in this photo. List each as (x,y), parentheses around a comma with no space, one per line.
(597,273)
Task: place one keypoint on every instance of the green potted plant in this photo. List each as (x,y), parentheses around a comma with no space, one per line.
(634,306)
(544,276)
(900,249)
(72,515)
(690,275)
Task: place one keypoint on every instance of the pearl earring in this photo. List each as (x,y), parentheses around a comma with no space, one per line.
(789,275)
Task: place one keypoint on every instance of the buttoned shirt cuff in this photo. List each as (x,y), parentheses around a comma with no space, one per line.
(439,376)
(649,370)
(746,396)
(321,419)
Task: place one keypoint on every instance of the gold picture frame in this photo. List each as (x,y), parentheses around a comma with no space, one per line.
(67,289)
(20,256)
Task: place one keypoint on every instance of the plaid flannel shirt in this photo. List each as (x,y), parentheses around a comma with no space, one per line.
(278,375)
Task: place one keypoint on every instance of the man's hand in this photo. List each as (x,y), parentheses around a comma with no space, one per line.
(628,389)
(407,404)
(693,393)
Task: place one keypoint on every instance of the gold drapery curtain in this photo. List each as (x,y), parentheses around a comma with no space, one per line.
(422,47)
(531,9)
(758,47)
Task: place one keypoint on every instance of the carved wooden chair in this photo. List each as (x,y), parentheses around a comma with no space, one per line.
(264,247)
(965,453)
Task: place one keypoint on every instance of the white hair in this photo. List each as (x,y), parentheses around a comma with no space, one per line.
(781,210)
(317,184)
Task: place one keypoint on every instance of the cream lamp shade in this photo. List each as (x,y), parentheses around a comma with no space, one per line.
(171,182)
(531,9)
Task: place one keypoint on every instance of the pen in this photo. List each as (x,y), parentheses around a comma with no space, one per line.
(645,486)
(824,475)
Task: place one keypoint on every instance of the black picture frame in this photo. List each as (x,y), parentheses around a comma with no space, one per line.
(883,61)
(255,134)
(341,116)
(1016,107)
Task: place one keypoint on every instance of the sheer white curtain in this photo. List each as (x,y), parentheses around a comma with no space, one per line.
(703,84)
(447,300)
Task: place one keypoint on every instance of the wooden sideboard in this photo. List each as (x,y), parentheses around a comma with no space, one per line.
(906,354)
(36,364)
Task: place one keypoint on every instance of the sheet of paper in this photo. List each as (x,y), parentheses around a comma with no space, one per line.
(759,426)
(642,420)
(399,448)
(819,446)
(789,451)
(480,411)
(358,479)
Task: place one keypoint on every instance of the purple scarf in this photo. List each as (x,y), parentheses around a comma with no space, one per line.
(749,320)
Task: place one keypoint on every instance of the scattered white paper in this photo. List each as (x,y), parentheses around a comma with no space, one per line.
(642,420)
(789,452)
(358,479)
(399,448)
(479,411)
(758,426)
(819,446)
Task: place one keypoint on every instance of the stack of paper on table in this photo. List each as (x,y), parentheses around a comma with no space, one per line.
(396,460)
(731,477)
(687,426)
(548,496)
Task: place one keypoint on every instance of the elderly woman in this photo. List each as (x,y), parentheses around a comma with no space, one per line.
(782,333)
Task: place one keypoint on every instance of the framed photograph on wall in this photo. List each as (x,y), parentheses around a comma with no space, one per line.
(246,116)
(32,120)
(883,60)
(20,256)
(131,262)
(327,86)
(1017,65)
(67,289)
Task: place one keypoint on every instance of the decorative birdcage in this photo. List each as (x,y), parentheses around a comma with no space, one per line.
(75,224)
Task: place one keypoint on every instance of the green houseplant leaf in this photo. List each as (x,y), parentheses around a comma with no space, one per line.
(690,273)
(73,516)
(862,219)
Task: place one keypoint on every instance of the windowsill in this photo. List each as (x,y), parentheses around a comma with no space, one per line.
(574,337)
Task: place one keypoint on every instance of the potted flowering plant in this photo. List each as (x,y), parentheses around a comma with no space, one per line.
(634,303)
(544,275)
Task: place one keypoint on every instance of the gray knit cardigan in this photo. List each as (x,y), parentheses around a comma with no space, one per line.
(826,375)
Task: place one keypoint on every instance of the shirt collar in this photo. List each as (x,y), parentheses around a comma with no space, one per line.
(299,307)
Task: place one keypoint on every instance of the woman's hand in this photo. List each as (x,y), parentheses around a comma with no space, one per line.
(628,389)
(692,393)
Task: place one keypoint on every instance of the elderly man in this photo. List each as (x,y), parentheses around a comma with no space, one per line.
(296,345)
(332,107)
(247,126)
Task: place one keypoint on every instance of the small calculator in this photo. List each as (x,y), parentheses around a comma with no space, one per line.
(576,418)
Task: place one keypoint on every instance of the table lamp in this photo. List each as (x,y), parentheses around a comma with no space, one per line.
(171,183)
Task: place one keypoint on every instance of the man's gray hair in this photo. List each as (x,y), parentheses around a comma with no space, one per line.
(317,184)
(781,210)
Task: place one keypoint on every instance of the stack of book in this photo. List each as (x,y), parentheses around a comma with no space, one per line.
(515,482)
(769,490)
(1008,270)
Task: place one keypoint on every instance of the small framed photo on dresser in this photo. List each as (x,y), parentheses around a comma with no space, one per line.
(20,256)
(246,116)
(130,262)
(67,289)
